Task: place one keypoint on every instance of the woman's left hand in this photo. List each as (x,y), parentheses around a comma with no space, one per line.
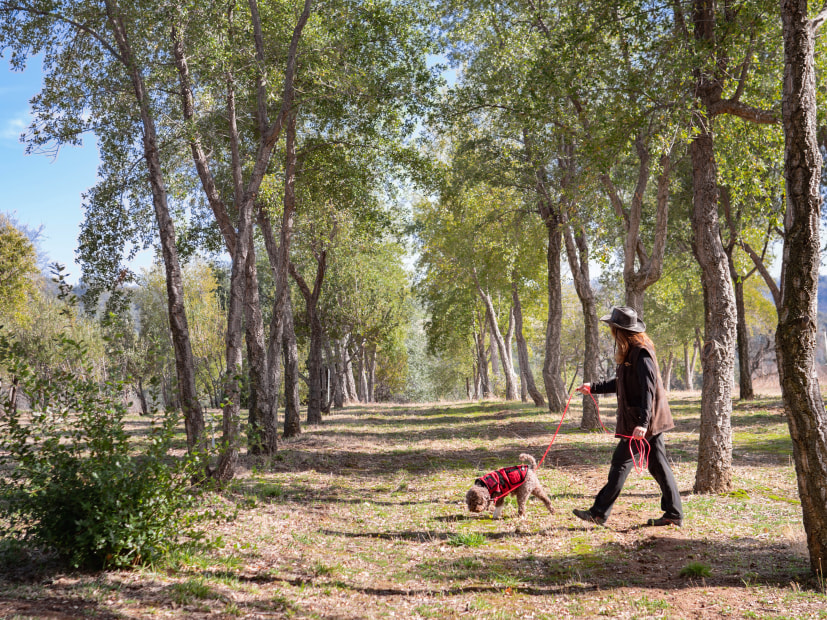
(639,432)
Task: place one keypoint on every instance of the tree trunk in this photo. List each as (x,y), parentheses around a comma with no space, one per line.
(796,337)
(742,335)
(290,351)
(314,358)
(744,362)
(555,387)
(179,328)
(522,348)
(338,376)
(362,369)
(262,415)
(688,363)
(714,472)
(508,371)
(577,251)
(371,373)
(508,340)
(140,390)
(352,394)
(667,371)
(482,363)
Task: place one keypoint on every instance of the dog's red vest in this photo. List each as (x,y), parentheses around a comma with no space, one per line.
(503,481)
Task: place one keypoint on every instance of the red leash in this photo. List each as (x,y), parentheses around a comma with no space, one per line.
(643,447)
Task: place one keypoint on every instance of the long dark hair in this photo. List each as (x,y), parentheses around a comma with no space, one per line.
(626,340)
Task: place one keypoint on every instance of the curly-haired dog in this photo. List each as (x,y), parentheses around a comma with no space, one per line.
(495,486)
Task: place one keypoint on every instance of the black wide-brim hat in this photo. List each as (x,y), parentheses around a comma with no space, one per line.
(625,318)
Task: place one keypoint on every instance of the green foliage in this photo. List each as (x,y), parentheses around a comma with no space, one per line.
(18,265)
(74,485)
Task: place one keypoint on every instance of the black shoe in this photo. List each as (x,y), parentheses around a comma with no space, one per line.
(661,521)
(588,516)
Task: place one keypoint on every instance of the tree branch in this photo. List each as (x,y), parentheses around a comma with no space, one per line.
(744,68)
(819,19)
(261,83)
(762,269)
(198,155)
(273,132)
(742,110)
(12,8)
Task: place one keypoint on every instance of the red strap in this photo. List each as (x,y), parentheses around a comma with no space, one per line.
(643,447)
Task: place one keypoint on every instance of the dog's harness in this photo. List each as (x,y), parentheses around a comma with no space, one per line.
(502,481)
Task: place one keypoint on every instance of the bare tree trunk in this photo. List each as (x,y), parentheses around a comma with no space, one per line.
(352,394)
(689,366)
(796,337)
(179,328)
(667,371)
(371,372)
(555,387)
(744,374)
(338,375)
(742,334)
(363,377)
(508,340)
(262,415)
(290,351)
(522,348)
(484,390)
(714,472)
(577,252)
(314,359)
(508,371)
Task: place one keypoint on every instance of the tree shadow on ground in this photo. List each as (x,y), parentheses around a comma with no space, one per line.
(655,562)
(54,608)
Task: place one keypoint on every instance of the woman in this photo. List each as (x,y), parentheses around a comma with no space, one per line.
(642,412)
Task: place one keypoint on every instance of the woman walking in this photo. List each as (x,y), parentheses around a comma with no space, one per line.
(642,412)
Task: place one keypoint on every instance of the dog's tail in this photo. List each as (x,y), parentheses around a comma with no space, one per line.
(527,458)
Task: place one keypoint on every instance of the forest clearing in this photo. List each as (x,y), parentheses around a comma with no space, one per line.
(364,517)
(337,259)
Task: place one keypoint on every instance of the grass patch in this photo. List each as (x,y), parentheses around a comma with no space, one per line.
(466,539)
(191,590)
(696,569)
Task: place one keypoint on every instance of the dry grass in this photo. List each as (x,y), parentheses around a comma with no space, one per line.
(364,517)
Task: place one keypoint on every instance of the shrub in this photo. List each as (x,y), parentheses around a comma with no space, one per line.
(74,484)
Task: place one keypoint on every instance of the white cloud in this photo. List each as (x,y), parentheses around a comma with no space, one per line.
(13,127)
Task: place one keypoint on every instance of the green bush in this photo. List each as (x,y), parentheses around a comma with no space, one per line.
(73,482)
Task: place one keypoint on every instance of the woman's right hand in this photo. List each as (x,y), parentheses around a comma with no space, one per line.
(586,388)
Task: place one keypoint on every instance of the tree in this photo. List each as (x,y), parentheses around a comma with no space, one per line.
(797,331)
(719,33)
(18,266)
(89,53)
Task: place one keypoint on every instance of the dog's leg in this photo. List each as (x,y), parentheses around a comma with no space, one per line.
(541,495)
(498,508)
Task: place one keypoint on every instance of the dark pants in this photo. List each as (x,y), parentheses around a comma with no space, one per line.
(670,501)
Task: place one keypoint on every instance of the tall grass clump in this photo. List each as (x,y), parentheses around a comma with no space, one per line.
(71,481)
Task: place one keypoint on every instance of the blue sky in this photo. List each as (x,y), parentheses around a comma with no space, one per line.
(37,189)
